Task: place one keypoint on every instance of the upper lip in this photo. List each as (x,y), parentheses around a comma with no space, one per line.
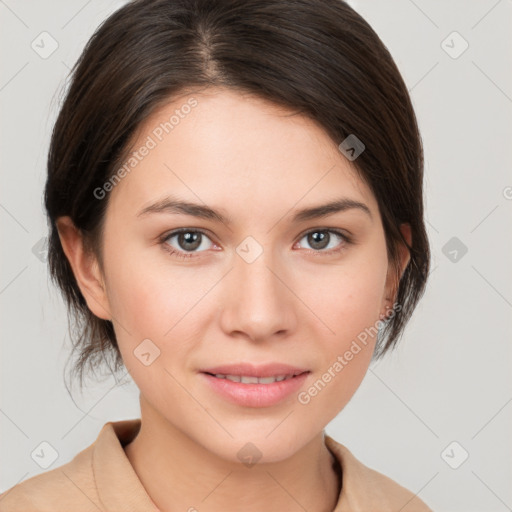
(251,370)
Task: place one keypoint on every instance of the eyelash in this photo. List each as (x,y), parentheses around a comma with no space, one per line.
(346,240)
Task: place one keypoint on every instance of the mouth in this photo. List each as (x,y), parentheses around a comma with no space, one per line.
(249,379)
(247,372)
(255,386)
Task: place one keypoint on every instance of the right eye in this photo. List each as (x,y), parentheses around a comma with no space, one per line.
(187,241)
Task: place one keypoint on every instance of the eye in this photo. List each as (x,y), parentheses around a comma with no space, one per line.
(186,240)
(321,240)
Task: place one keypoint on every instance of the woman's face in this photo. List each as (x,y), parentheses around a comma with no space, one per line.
(262,286)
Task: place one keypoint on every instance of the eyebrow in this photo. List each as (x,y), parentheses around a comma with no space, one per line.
(171,205)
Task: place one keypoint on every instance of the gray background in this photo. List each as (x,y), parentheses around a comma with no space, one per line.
(450,379)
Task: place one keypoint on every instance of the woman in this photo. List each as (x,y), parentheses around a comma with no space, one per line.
(235,204)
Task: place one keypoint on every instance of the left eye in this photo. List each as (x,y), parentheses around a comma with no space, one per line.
(320,239)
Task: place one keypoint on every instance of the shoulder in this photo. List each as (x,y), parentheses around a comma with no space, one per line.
(98,478)
(68,487)
(364,488)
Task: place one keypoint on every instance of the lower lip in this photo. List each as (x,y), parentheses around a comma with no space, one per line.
(255,395)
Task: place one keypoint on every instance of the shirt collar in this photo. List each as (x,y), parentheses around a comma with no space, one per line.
(117,481)
(115,477)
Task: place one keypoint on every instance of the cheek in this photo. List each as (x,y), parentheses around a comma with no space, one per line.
(152,302)
(348,298)
(144,292)
(352,313)
(349,303)
(335,385)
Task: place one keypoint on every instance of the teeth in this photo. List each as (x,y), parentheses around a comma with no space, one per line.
(266,380)
(253,380)
(249,380)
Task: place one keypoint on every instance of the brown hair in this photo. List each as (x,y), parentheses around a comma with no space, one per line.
(316,57)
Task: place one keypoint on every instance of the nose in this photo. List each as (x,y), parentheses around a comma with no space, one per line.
(259,302)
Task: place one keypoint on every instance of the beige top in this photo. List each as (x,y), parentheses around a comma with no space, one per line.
(101,478)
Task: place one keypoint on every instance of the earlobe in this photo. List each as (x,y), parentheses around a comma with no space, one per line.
(393,279)
(85,268)
(405,254)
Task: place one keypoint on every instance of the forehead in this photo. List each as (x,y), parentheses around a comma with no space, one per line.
(227,148)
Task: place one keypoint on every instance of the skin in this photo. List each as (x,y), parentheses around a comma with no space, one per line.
(297,304)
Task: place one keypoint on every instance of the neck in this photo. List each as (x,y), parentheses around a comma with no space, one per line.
(180,474)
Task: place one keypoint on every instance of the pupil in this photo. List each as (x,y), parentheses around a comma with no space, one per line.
(190,238)
(319,239)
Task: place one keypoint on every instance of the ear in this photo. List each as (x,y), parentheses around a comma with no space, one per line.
(393,280)
(85,268)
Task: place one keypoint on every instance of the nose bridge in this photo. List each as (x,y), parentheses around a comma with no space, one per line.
(259,303)
(258,279)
